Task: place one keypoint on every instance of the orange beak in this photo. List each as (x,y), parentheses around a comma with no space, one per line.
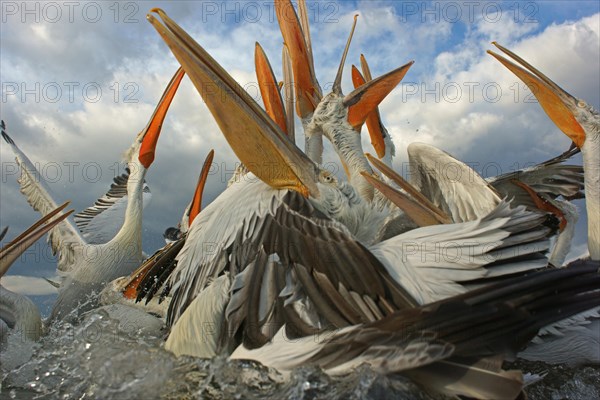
(269,88)
(374,124)
(560,106)
(365,99)
(152,130)
(308,91)
(197,200)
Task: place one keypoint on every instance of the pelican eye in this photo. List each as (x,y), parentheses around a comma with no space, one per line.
(581,104)
(327,177)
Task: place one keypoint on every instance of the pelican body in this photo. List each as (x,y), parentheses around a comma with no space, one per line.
(91,265)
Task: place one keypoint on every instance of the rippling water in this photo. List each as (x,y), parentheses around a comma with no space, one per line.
(100,359)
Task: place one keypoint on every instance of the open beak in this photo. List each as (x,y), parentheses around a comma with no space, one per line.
(415,211)
(254,137)
(426,208)
(365,99)
(308,91)
(197,200)
(12,251)
(152,131)
(269,88)
(374,124)
(154,269)
(560,106)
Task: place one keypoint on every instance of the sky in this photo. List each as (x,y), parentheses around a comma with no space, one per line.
(81,79)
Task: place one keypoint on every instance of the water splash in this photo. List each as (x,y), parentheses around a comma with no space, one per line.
(104,358)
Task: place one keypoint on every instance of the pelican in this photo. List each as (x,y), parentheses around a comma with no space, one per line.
(575,340)
(173,234)
(335,115)
(17,312)
(91,266)
(463,196)
(290,244)
(124,290)
(96,224)
(338,118)
(459,191)
(576,119)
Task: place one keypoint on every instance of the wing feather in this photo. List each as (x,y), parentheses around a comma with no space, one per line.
(64,239)
(289,238)
(450,184)
(101,222)
(551,178)
(455,346)
(440,261)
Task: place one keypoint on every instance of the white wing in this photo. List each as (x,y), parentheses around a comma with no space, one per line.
(339,352)
(551,178)
(101,222)
(439,261)
(450,184)
(64,238)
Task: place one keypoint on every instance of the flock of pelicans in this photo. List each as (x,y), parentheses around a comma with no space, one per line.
(441,280)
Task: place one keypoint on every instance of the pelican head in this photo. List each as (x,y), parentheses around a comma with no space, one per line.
(576,119)
(252,134)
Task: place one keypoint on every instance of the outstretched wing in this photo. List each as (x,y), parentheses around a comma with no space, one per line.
(450,184)
(455,346)
(439,261)
(101,222)
(64,238)
(551,178)
(288,263)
